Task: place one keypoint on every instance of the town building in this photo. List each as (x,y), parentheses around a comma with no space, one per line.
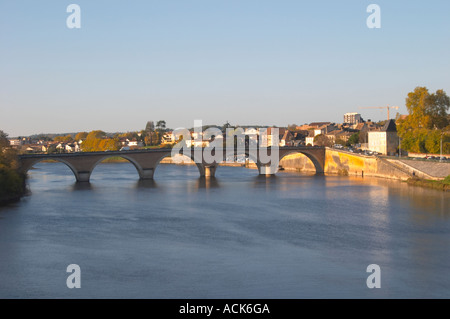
(168,138)
(338,135)
(384,141)
(352,118)
(15,142)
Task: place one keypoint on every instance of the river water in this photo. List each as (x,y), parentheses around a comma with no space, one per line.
(235,236)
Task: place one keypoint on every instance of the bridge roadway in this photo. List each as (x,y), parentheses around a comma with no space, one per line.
(83,163)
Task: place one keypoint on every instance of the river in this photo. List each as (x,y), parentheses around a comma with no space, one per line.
(235,236)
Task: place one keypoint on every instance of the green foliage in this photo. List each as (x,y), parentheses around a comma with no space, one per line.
(96,134)
(8,159)
(432,142)
(322,140)
(161,125)
(340,141)
(447,180)
(427,122)
(443,185)
(11,181)
(4,142)
(150,127)
(152,138)
(81,136)
(52,149)
(354,139)
(96,141)
(63,139)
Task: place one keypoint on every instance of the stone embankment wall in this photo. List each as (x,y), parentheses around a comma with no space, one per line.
(345,163)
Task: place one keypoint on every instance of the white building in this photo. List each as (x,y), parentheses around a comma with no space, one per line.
(384,141)
(352,118)
(309,140)
(15,142)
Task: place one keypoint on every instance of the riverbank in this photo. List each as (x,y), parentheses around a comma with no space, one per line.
(443,185)
(10,200)
(12,186)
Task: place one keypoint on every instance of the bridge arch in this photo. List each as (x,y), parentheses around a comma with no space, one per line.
(316,162)
(138,167)
(246,153)
(200,167)
(28,165)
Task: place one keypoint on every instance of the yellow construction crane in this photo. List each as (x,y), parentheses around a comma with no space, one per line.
(382,107)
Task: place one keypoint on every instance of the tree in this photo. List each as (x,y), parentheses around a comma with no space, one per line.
(97,141)
(150,127)
(427,120)
(52,149)
(322,140)
(81,136)
(142,135)
(63,139)
(354,139)
(363,137)
(4,142)
(96,134)
(438,108)
(12,183)
(161,125)
(148,140)
(340,141)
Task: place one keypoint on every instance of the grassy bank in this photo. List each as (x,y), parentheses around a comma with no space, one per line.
(443,185)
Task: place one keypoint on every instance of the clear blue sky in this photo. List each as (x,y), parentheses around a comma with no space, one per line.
(246,61)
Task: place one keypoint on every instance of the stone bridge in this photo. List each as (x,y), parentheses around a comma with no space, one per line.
(82,164)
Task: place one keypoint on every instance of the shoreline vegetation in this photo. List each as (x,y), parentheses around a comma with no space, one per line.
(12,181)
(12,186)
(443,185)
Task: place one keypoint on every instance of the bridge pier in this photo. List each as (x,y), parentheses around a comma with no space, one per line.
(267,170)
(83,177)
(210,171)
(146,173)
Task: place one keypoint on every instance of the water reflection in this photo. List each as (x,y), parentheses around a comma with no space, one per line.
(82,186)
(207,182)
(146,183)
(265,182)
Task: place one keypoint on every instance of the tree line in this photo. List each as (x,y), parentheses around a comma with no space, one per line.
(12,182)
(99,141)
(427,123)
